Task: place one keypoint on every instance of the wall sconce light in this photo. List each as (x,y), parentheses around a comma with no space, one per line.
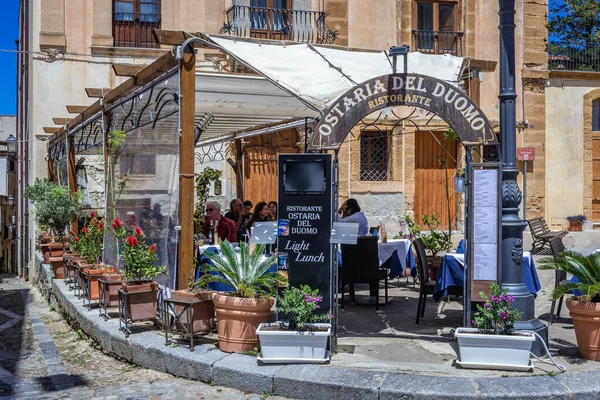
(11,201)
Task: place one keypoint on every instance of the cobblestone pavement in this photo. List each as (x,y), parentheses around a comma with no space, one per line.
(41,357)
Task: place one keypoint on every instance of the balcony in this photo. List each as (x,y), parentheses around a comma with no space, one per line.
(279,24)
(574,56)
(437,42)
(135,29)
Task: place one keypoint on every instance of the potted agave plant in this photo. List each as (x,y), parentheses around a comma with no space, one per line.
(139,272)
(584,305)
(304,338)
(492,343)
(241,312)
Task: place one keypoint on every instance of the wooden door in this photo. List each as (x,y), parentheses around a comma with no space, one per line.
(260,175)
(596,177)
(431,176)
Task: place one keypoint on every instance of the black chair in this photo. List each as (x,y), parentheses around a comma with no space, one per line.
(360,264)
(560,277)
(426,286)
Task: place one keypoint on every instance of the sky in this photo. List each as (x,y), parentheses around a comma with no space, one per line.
(9,20)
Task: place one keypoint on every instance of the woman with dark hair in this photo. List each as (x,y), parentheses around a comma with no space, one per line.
(260,214)
(273,210)
(350,212)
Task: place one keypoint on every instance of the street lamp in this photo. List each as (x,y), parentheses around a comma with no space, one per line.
(11,143)
(11,200)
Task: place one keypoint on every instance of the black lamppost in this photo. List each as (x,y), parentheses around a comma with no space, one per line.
(511,276)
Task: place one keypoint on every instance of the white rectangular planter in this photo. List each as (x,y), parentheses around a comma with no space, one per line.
(291,345)
(494,351)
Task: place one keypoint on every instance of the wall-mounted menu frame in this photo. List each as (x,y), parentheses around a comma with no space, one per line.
(484,218)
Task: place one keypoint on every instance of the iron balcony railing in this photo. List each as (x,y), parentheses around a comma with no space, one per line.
(270,23)
(135,29)
(574,56)
(437,42)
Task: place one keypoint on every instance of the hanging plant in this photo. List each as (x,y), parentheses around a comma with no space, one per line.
(203,180)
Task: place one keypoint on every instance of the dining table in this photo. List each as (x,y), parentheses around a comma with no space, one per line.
(451,275)
(397,256)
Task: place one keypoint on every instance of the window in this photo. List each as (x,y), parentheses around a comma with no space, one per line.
(596,115)
(138,164)
(268,18)
(437,26)
(373,156)
(133,21)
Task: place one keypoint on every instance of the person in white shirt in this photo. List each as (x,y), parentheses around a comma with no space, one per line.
(350,212)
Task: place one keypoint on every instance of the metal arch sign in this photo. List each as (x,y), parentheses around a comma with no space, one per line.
(426,92)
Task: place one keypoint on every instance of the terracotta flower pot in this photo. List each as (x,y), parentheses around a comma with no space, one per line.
(141,306)
(112,276)
(434,267)
(586,320)
(575,226)
(203,311)
(238,318)
(95,274)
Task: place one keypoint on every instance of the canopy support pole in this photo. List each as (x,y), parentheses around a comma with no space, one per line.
(72,172)
(185,248)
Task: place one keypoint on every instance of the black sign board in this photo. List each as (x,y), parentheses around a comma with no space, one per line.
(439,97)
(304,226)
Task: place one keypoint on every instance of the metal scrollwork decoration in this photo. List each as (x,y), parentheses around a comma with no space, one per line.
(517,251)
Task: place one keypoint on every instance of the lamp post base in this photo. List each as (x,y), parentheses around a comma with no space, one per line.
(534,325)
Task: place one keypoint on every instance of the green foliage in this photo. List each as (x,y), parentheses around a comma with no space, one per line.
(254,352)
(52,307)
(91,241)
(434,242)
(576,20)
(56,207)
(203,180)
(301,304)
(247,272)
(140,259)
(586,269)
(497,311)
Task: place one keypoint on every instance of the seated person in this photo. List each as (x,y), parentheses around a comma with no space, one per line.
(350,212)
(273,210)
(237,215)
(225,227)
(260,214)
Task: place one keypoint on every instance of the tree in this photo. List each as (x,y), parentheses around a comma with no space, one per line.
(576,20)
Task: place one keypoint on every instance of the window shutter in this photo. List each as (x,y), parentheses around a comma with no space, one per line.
(596,115)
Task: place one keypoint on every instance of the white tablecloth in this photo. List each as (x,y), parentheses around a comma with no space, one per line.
(402,246)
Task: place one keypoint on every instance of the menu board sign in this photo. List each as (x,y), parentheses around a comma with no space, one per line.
(305,217)
(485,224)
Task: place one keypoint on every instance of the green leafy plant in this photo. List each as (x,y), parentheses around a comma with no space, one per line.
(120,231)
(91,241)
(247,273)
(497,312)
(56,207)
(140,259)
(203,180)
(434,242)
(301,304)
(585,269)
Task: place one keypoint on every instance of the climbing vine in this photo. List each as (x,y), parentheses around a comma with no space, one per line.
(203,180)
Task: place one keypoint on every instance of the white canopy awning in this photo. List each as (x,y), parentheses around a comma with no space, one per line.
(298,81)
(319,74)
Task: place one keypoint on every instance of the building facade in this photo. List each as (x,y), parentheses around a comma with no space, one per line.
(8,194)
(72,51)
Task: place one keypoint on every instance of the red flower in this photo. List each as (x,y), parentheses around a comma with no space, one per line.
(152,248)
(132,241)
(72,232)
(84,230)
(138,231)
(116,223)
(77,238)
(92,214)
(100,225)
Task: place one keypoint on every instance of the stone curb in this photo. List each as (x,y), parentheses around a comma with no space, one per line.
(207,364)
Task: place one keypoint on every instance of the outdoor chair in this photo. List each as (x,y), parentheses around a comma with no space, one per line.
(541,234)
(360,264)
(426,287)
(560,277)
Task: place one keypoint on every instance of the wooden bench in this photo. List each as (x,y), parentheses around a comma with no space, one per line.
(541,234)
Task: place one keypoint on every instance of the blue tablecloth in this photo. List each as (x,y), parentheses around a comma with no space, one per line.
(218,286)
(451,274)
